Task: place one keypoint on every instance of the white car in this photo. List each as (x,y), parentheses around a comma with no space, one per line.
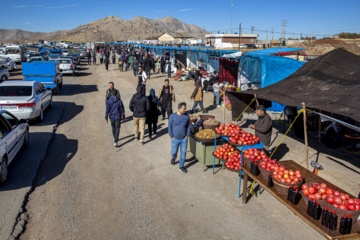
(67,66)
(4,74)
(14,134)
(25,99)
(10,64)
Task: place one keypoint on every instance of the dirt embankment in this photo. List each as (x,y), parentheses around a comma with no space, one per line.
(322,46)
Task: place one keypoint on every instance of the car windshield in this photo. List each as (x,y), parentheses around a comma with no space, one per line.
(13,51)
(65,61)
(15,91)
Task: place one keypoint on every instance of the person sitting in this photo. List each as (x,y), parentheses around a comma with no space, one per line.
(263,126)
(210,82)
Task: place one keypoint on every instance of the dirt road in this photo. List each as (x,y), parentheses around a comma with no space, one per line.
(87,189)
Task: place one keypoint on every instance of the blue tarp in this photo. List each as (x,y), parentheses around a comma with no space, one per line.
(264,70)
(274,50)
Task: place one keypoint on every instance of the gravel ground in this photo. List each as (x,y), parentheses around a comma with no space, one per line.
(87,189)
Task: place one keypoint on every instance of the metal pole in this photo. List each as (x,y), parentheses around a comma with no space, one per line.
(224,105)
(320,128)
(239,34)
(305,136)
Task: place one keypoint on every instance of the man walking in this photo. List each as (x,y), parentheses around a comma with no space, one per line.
(162,62)
(139,105)
(112,91)
(179,130)
(94,58)
(121,63)
(135,66)
(107,61)
(115,111)
(166,96)
(142,78)
(89,58)
(101,57)
(263,126)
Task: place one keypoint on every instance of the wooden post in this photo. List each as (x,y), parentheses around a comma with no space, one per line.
(305,136)
(319,128)
(257,102)
(224,106)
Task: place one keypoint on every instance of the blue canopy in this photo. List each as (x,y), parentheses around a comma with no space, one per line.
(274,50)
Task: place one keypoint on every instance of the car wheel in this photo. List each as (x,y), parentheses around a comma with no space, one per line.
(41,116)
(26,139)
(3,171)
(3,78)
(55,90)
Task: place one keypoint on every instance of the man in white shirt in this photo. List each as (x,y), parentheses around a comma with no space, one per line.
(217,90)
(142,78)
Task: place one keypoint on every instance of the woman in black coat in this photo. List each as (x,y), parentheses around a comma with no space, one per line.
(153,114)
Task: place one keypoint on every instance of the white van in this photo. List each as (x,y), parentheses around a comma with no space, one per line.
(16,53)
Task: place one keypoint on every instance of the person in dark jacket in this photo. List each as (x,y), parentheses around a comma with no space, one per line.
(112,90)
(113,55)
(107,61)
(263,126)
(135,66)
(89,58)
(153,114)
(162,63)
(139,105)
(94,58)
(116,112)
(166,96)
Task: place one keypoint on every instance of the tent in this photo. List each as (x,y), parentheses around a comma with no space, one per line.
(264,70)
(232,55)
(329,83)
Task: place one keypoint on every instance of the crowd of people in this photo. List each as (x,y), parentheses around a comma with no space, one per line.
(147,109)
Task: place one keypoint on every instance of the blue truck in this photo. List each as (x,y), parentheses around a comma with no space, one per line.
(46,72)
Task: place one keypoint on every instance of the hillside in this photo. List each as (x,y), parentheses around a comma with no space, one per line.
(109,29)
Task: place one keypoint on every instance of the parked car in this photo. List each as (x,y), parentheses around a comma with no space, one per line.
(9,64)
(25,99)
(14,134)
(46,72)
(249,45)
(76,58)
(65,52)
(243,46)
(67,65)
(44,54)
(36,58)
(4,74)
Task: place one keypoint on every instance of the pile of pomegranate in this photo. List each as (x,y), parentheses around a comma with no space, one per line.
(286,176)
(230,154)
(321,191)
(237,135)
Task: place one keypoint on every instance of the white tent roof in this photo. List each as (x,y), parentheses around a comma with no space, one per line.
(232,55)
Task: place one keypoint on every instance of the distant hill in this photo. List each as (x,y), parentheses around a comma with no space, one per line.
(109,29)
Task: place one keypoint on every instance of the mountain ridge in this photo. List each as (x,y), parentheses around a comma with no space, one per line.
(111,28)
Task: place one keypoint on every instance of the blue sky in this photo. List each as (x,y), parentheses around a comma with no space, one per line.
(302,16)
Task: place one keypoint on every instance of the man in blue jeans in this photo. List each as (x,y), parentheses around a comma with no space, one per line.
(179,130)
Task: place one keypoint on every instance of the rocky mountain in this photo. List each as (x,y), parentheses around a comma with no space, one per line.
(110,29)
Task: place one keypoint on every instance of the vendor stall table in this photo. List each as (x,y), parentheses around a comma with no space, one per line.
(203,151)
(242,148)
(300,208)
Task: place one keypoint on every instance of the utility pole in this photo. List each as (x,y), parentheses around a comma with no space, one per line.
(293,35)
(252,29)
(85,36)
(232,5)
(266,36)
(272,34)
(282,33)
(300,36)
(312,34)
(239,34)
